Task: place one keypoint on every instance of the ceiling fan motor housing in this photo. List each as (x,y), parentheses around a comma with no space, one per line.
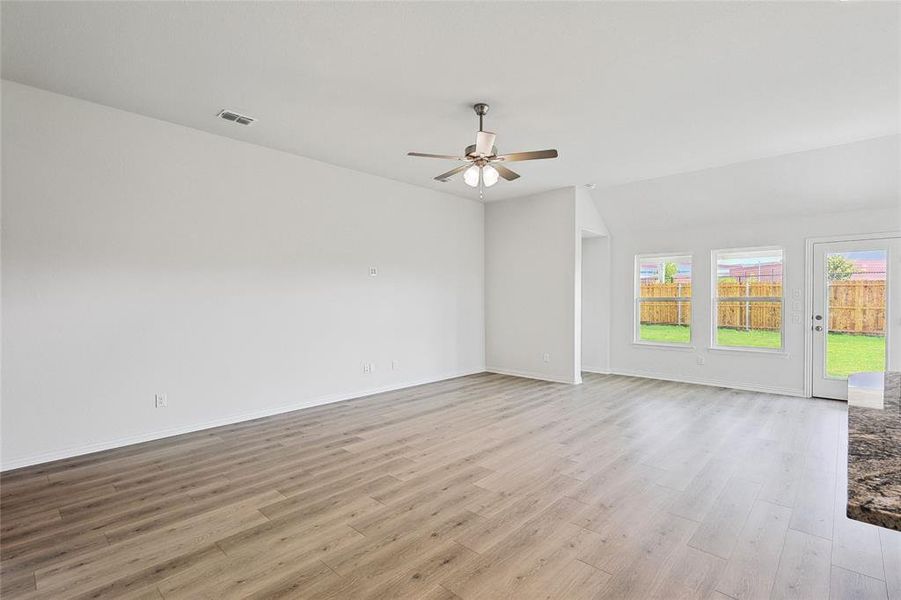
(471,150)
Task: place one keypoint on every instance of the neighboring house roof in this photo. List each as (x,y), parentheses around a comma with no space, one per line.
(761,272)
(868,269)
(864,270)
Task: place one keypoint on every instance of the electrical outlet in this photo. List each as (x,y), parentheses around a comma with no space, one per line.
(700,360)
(373,271)
(395,365)
(160,401)
(546,357)
(367,367)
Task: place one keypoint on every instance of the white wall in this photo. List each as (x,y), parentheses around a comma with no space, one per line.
(726,224)
(862,176)
(530,270)
(595,304)
(140,257)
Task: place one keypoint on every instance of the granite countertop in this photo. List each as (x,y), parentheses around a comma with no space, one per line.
(874,448)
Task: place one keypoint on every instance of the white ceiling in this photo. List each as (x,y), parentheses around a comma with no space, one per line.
(625,91)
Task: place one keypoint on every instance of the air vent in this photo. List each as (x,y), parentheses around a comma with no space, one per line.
(235,117)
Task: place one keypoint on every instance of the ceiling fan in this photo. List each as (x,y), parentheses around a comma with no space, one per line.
(483,163)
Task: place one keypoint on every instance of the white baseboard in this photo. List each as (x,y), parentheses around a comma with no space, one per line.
(17,463)
(530,375)
(749,387)
(598,370)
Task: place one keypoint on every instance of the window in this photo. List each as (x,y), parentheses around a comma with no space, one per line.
(663,299)
(747,298)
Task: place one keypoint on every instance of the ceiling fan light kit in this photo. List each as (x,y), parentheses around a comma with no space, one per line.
(471,176)
(489,175)
(482,167)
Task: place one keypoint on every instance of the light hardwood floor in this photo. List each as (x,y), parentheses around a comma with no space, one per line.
(479,487)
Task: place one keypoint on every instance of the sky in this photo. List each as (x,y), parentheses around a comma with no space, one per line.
(865,255)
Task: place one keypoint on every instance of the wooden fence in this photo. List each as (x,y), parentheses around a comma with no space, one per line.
(669,312)
(857,307)
(854,306)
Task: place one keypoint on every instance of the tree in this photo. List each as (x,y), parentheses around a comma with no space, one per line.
(669,272)
(839,268)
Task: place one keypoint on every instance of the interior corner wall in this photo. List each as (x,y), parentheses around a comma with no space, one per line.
(588,219)
(142,257)
(530,273)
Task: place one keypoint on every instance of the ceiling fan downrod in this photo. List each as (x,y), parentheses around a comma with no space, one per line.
(481,109)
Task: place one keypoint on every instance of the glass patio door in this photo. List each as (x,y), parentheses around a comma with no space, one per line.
(853,284)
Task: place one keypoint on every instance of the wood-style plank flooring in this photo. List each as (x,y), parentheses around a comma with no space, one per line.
(479,487)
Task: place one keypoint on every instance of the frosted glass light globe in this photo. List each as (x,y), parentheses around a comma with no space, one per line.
(471,176)
(489,175)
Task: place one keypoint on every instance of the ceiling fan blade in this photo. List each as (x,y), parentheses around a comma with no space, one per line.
(451,173)
(484,143)
(534,155)
(446,156)
(505,172)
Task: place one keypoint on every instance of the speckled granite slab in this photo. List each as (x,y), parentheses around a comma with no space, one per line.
(874,448)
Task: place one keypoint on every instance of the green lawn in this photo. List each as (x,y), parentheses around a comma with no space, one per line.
(846,353)
(756,338)
(668,334)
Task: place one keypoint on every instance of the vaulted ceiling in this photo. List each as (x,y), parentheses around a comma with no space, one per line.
(625,91)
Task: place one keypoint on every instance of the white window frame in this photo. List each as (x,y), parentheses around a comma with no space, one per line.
(715,299)
(636,301)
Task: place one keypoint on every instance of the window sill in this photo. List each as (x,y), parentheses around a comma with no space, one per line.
(665,346)
(741,350)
